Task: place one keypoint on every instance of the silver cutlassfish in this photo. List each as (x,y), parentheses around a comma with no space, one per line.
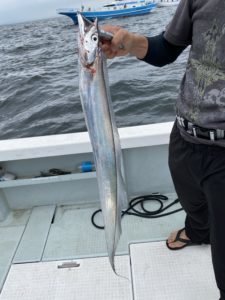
(101,125)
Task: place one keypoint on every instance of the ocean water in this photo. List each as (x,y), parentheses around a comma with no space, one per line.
(39,89)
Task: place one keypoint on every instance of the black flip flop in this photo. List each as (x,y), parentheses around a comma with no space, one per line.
(179,239)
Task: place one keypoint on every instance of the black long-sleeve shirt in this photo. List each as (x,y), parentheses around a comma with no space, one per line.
(161,52)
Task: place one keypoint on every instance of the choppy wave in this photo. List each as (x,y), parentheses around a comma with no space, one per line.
(39,79)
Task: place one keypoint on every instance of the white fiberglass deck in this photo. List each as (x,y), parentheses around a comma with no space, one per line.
(152,271)
(92,279)
(47,221)
(161,274)
(36,248)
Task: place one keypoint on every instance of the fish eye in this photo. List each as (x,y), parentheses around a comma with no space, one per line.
(94,38)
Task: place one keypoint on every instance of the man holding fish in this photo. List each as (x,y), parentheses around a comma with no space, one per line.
(197,141)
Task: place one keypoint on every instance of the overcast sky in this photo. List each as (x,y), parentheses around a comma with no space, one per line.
(13,11)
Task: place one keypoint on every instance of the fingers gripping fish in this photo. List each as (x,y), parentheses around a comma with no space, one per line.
(101,125)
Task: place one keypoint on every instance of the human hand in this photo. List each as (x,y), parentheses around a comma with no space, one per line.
(121,43)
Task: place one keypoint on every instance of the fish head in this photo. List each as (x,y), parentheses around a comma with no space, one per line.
(88,40)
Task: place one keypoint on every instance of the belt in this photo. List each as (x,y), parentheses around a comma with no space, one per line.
(200,132)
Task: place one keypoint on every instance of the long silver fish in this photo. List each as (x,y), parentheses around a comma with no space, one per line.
(101,125)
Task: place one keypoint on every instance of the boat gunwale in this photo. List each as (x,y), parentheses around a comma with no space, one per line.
(75,143)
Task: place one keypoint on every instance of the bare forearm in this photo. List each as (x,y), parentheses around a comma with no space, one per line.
(139,46)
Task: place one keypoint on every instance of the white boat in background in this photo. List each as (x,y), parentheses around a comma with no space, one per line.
(163,3)
(49,246)
(115,9)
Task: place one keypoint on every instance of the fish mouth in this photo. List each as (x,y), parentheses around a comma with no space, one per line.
(87,61)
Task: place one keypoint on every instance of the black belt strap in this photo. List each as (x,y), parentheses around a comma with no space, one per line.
(198,131)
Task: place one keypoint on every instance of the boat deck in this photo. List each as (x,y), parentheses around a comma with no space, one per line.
(35,242)
(46,222)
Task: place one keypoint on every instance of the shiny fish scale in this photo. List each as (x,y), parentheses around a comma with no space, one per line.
(101,125)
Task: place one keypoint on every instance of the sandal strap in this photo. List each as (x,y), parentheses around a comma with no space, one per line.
(179,239)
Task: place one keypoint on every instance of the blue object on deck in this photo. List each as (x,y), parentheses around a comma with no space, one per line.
(87,166)
(116,9)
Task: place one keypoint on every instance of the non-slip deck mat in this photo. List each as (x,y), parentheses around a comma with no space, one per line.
(92,280)
(11,231)
(34,238)
(161,274)
(9,240)
(72,234)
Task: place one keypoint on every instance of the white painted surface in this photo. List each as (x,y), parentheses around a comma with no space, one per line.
(161,274)
(157,273)
(33,241)
(46,179)
(11,231)
(93,280)
(65,240)
(9,240)
(74,143)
